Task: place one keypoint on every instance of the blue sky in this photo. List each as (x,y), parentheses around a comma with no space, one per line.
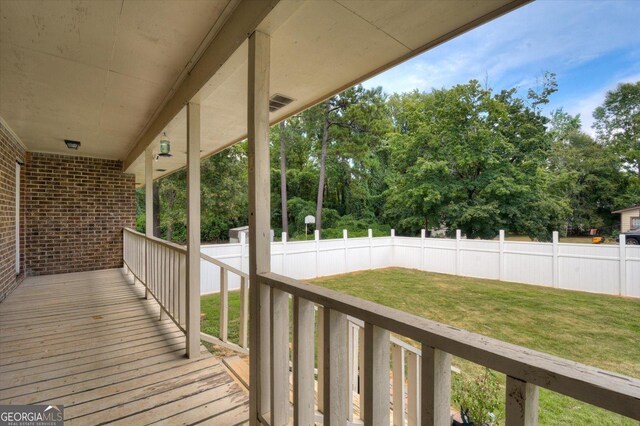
(592,45)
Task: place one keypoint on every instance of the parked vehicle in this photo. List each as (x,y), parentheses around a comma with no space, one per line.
(632,236)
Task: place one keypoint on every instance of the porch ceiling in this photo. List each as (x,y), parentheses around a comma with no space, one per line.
(121,76)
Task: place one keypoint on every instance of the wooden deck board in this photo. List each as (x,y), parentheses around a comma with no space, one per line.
(91,342)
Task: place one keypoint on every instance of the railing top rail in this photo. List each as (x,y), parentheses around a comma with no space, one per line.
(611,391)
(224,265)
(133,231)
(168,244)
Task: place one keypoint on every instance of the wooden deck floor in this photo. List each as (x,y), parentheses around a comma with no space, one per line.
(91,342)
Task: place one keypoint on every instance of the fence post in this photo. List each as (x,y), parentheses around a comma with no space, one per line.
(370,235)
(344,237)
(393,247)
(316,235)
(501,264)
(623,265)
(243,243)
(458,238)
(423,236)
(283,238)
(556,263)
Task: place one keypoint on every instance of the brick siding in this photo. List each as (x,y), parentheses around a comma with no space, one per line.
(10,152)
(76,209)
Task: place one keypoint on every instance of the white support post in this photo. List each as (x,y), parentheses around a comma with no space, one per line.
(522,403)
(193,230)
(556,262)
(346,254)
(458,238)
(501,263)
(370,236)
(316,235)
(423,240)
(148,208)
(623,265)
(259,223)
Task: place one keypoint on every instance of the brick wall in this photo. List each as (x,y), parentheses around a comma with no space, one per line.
(10,152)
(76,209)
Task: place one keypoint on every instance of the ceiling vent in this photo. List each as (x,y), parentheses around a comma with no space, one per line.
(278,101)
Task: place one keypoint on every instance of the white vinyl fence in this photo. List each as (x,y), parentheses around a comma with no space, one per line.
(609,269)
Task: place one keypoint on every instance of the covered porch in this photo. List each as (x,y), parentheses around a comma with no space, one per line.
(124,345)
(92,342)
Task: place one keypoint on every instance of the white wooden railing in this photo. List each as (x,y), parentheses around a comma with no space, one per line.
(428,384)
(160,266)
(223,334)
(356,352)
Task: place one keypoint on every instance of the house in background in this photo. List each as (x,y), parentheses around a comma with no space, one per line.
(629,218)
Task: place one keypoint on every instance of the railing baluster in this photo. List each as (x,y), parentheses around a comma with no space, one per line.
(279,357)
(376,371)
(398,385)
(303,359)
(522,403)
(264,323)
(163,279)
(436,386)
(413,389)
(321,340)
(183,289)
(361,370)
(335,368)
(224,304)
(244,312)
(351,366)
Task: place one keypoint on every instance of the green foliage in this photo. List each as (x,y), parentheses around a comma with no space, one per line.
(618,123)
(470,159)
(478,398)
(464,157)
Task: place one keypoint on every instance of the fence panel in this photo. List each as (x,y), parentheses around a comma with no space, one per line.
(633,271)
(585,267)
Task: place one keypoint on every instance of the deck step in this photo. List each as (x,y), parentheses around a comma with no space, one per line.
(239,367)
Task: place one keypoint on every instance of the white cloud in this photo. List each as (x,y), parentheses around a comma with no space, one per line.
(587,104)
(545,35)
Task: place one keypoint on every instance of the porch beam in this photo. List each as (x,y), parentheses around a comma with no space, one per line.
(193,230)
(229,35)
(259,223)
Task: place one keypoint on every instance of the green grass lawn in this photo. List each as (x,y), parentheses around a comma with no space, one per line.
(598,330)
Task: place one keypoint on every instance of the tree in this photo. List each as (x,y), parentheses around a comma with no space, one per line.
(586,173)
(466,158)
(617,123)
(350,123)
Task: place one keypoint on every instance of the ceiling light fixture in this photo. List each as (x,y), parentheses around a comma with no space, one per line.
(72,144)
